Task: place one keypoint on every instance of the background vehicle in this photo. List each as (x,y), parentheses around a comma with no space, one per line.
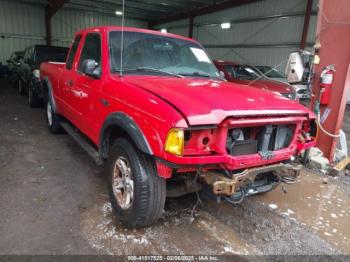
(271,72)
(247,75)
(302,90)
(13,64)
(167,124)
(4,71)
(29,74)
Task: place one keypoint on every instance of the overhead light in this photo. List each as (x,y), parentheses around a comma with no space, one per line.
(225,25)
(118,12)
(163,30)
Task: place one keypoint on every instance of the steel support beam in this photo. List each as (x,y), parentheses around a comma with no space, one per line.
(262,45)
(51,8)
(202,11)
(332,35)
(306,23)
(190,27)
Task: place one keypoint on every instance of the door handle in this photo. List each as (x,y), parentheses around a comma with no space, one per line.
(104,102)
(69,82)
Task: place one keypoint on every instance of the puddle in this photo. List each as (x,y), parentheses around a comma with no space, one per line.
(324,208)
(176,233)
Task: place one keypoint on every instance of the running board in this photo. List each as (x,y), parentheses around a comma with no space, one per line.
(82,142)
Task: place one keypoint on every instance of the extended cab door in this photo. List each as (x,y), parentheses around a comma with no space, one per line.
(67,84)
(89,87)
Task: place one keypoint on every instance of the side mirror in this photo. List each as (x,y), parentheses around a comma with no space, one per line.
(295,68)
(91,68)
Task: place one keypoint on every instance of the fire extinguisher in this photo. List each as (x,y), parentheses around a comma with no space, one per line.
(326,83)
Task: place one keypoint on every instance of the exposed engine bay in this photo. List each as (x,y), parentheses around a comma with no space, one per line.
(262,139)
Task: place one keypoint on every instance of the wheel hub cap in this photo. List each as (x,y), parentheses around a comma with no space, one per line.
(123,185)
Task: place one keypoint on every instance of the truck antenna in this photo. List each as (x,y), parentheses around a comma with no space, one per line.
(122,39)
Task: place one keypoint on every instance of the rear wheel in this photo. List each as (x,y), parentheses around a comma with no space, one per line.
(52,119)
(137,193)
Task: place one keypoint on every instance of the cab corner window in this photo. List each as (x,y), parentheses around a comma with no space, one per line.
(72,52)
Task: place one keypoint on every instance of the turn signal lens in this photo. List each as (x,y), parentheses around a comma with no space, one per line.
(175,141)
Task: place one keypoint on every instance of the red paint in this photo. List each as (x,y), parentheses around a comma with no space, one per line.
(264,84)
(158,103)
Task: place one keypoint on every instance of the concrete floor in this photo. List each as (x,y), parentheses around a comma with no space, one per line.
(54,201)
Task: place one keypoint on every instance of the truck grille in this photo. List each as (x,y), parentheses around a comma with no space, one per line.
(262,139)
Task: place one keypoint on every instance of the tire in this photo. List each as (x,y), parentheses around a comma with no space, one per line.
(21,88)
(53,120)
(33,99)
(148,190)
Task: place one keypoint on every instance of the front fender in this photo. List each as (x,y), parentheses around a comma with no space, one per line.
(125,123)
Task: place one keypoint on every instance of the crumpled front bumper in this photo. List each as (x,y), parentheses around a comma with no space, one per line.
(222,185)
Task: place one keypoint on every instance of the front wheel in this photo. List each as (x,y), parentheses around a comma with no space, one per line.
(33,99)
(137,193)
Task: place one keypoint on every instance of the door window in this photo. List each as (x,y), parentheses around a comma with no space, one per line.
(91,49)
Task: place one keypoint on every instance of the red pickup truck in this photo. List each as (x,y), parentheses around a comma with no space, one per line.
(154,107)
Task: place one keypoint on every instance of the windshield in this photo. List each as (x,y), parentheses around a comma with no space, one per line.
(54,54)
(159,55)
(270,72)
(241,72)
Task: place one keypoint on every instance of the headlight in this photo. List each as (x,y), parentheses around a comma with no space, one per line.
(174,143)
(36,73)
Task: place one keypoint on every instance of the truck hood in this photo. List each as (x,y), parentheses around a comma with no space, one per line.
(205,101)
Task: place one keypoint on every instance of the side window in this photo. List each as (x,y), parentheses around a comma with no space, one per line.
(25,57)
(72,52)
(30,55)
(91,49)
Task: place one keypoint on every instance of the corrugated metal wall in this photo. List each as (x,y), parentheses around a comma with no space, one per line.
(24,25)
(20,26)
(66,22)
(244,36)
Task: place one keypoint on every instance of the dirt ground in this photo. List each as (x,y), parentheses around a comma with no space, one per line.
(54,201)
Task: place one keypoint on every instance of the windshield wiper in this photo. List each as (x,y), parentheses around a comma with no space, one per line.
(158,71)
(200,75)
(195,74)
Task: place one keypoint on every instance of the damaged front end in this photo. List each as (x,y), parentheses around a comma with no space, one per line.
(243,156)
(250,181)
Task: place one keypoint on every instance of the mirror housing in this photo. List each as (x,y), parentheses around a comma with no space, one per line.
(91,68)
(295,68)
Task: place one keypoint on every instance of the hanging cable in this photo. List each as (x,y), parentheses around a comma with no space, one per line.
(324,130)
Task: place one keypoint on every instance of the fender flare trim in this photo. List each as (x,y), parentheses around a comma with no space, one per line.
(128,125)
